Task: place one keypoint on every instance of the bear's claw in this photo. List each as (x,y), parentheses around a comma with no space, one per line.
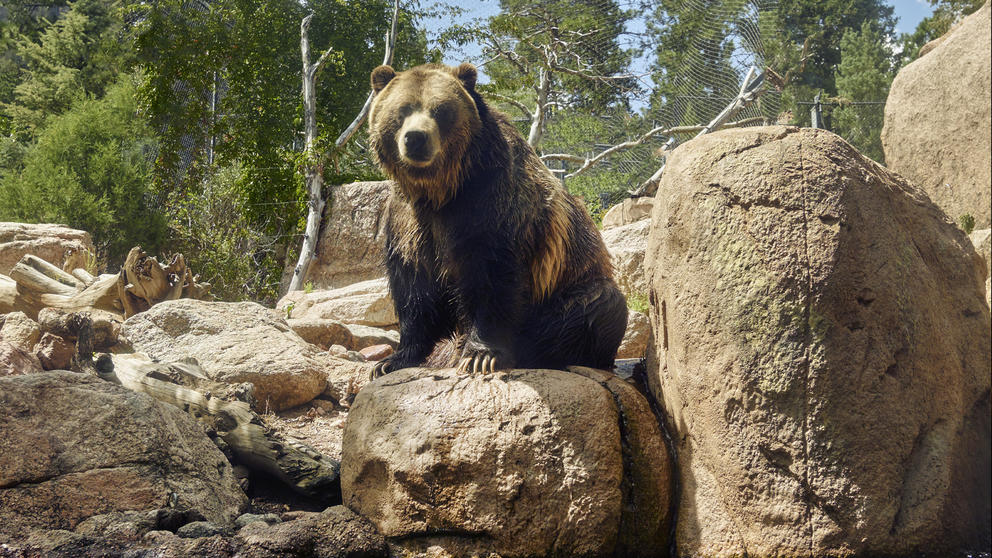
(380,369)
(481,363)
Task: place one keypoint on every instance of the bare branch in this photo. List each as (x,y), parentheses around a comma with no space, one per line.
(387,59)
(588,163)
(509,100)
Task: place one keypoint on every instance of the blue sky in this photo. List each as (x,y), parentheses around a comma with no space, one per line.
(908,12)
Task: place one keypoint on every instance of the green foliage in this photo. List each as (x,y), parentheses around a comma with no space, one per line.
(90,168)
(229,76)
(865,74)
(967,222)
(818,26)
(78,55)
(693,59)
(210,227)
(945,14)
(609,181)
(638,302)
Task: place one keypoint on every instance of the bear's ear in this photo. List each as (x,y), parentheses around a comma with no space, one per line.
(382,76)
(467,74)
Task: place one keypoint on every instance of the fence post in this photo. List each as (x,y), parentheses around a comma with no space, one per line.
(816,113)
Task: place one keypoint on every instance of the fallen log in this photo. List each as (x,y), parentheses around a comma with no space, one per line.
(142,282)
(299,466)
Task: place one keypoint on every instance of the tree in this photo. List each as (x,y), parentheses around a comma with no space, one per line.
(90,168)
(223,87)
(78,55)
(806,43)
(312,169)
(693,72)
(945,14)
(864,74)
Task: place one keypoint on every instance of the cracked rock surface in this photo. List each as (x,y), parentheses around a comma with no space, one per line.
(821,350)
(73,446)
(521,463)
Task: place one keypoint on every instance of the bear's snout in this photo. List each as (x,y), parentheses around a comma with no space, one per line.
(415,142)
(418,139)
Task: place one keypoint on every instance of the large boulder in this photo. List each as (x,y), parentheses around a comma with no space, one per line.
(365,303)
(938,119)
(521,463)
(626,245)
(822,353)
(56,244)
(234,342)
(350,247)
(73,446)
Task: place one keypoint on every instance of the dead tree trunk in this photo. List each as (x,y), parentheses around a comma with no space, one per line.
(299,466)
(313,171)
(142,282)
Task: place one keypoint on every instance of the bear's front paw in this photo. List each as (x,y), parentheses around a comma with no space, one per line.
(380,369)
(483,360)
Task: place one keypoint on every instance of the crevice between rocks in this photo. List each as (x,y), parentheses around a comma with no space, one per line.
(807,347)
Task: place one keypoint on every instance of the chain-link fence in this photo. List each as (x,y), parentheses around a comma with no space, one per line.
(858,122)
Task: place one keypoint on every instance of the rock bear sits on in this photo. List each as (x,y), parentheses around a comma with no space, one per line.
(481,240)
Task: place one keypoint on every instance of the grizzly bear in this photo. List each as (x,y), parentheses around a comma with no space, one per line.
(482,242)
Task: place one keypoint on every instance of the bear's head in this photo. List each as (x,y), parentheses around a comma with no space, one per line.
(421,123)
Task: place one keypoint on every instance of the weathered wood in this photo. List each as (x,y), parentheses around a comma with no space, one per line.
(299,466)
(84,276)
(38,275)
(35,284)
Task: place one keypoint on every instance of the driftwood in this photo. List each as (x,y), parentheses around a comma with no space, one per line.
(299,466)
(142,282)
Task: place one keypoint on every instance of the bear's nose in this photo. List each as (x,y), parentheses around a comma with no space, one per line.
(415,141)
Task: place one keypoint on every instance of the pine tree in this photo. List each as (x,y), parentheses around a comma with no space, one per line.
(864,74)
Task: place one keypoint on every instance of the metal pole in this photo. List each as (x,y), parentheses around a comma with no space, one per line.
(816,113)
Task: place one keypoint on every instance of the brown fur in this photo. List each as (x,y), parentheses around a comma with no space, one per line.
(478,227)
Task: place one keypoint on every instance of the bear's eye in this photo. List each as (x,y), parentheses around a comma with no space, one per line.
(406,110)
(443,114)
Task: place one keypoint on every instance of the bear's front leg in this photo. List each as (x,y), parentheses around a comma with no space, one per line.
(425,313)
(491,297)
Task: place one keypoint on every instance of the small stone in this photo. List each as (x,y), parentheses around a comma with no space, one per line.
(376,352)
(199,529)
(54,352)
(338,351)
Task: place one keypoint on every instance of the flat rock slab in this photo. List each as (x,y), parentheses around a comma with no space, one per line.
(521,463)
(74,446)
(234,342)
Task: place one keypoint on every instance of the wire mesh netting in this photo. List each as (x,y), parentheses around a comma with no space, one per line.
(621,69)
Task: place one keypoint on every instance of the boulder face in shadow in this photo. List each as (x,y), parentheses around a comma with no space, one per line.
(521,463)
(821,350)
